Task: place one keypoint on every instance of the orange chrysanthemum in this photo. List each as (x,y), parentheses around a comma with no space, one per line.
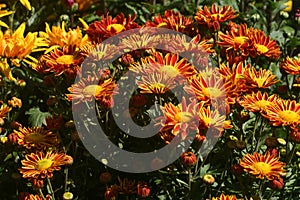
(156,83)
(236,39)
(108,26)
(215,14)
(87,89)
(27,196)
(291,65)
(212,119)
(15,102)
(262,78)
(42,165)
(4,110)
(66,61)
(225,197)
(207,89)
(169,65)
(180,119)
(283,112)
(263,45)
(172,20)
(36,138)
(263,166)
(257,102)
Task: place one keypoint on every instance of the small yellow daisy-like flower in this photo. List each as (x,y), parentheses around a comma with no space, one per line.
(42,165)
(283,112)
(263,166)
(291,65)
(36,137)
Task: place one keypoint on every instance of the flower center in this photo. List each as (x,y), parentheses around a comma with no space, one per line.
(289,116)
(92,90)
(260,82)
(117,27)
(44,164)
(216,16)
(65,59)
(157,87)
(183,117)
(261,48)
(240,40)
(262,104)
(262,168)
(170,71)
(34,137)
(212,92)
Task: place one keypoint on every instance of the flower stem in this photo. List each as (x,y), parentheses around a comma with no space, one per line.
(260,189)
(41,194)
(190,183)
(291,154)
(50,188)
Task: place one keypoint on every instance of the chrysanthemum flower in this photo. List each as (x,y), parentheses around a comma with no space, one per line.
(262,78)
(36,138)
(263,45)
(207,89)
(139,41)
(291,65)
(283,112)
(67,61)
(15,102)
(42,165)
(4,110)
(172,20)
(126,186)
(236,39)
(27,196)
(156,83)
(4,13)
(225,197)
(212,119)
(16,47)
(180,119)
(263,166)
(87,89)
(257,102)
(108,26)
(170,65)
(58,37)
(214,14)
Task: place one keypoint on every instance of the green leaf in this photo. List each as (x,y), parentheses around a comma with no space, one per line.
(277,35)
(37,117)
(288,30)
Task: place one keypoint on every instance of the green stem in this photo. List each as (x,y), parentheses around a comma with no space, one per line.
(291,154)
(260,189)
(41,194)
(270,197)
(190,183)
(50,188)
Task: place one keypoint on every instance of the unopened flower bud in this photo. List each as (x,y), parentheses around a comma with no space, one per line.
(208,179)
(277,183)
(68,196)
(188,159)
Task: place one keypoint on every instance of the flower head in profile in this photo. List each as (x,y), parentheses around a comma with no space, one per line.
(4,110)
(215,15)
(172,20)
(291,65)
(260,79)
(108,26)
(263,166)
(27,196)
(283,112)
(88,89)
(42,165)
(263,45)
(57,36)
(36,138)
(257,102)
(225,197)
(15,47)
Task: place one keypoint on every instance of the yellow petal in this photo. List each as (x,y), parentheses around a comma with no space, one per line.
(5,69)
(26,3)
(84,24)
(289,6)
(20,31)
(3,24)
(6,13)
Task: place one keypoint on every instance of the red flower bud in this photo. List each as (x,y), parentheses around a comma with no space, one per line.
(277,184)
(188,159)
